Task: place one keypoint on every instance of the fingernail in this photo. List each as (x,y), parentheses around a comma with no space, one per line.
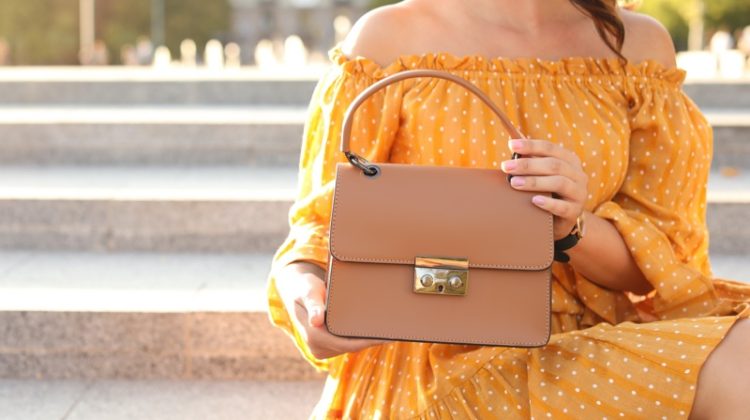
(514,144)
(517,181)
(314,312)
(538,199)
(508,165)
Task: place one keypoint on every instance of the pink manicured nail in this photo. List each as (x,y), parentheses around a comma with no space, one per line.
(314,312)
(538,199)
(509,165)
(517,181)
(515,144)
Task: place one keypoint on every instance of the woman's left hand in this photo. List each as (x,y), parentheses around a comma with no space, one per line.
(550,167)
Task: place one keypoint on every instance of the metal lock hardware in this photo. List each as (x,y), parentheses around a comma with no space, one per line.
(441,275)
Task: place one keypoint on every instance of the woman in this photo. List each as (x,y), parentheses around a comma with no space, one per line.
(640,327)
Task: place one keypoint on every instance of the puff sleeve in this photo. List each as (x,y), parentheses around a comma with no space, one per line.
(373,130)
(660,209)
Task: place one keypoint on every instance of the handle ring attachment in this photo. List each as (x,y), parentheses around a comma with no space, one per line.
(367,168)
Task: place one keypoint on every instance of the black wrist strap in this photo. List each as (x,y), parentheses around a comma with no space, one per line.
(562,244)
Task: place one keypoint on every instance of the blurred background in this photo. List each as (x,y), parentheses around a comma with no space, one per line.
(266,32)
(148,160)
(177,32)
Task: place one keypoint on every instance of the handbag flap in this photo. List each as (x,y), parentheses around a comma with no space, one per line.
(420,210)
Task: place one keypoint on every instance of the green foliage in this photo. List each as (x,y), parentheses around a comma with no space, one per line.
(733,14)
(122,22)
(378,3)
(46,32)
(199,20)
(40,32)
(675,14)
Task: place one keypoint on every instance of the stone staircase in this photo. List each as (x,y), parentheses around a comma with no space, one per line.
(139,214)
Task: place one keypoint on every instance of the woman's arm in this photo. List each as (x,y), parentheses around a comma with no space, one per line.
(602,255)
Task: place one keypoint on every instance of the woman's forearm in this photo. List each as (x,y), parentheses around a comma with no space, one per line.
(602,256)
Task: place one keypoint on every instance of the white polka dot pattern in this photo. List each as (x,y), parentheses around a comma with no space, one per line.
(647,150)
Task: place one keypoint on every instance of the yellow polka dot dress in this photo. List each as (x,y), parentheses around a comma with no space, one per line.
(647,150)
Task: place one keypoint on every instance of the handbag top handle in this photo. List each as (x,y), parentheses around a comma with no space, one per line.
(372,170)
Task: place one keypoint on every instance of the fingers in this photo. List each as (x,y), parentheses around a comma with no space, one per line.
(303,294)
(313,301)
(558,207)
(323,344)
(541,166)
(550,167)
(563,186)
(543,148)
(350,345)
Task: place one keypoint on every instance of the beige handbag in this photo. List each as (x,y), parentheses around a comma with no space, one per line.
(436,254)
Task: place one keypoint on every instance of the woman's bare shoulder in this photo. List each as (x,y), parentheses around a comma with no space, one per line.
(646,38)
(382,34)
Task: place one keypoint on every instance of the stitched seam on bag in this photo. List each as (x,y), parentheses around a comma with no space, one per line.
(536,267)
(548,304)
(331,243)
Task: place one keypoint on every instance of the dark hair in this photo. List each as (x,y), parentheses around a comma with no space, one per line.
(607,21)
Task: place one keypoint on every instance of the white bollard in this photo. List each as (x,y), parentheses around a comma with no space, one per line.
(214,55)
(341,26)
(732,64)
(162,57)
(265,58)
(295,53)
(232,55)
(698,64)
(188,53)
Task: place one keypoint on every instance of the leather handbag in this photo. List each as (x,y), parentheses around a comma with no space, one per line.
(435,253)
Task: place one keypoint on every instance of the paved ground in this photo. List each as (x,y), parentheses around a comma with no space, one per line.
(155,400)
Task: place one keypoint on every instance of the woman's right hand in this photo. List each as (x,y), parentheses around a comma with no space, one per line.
(303,291)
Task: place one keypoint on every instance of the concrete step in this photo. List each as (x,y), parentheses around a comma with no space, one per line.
(145,208)
(157,399)
(154,316)
(215,135)
(719,93)
(217,209)
(140,315)
(732,267)
(728,208)
(111,86)
(128,86)
(731,136)
(151,135)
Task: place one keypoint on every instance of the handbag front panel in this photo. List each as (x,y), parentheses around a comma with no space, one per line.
(410,211)
(500,308)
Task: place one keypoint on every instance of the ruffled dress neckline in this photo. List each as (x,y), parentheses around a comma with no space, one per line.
(517,66)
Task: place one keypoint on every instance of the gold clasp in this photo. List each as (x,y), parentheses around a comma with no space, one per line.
(441,275)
